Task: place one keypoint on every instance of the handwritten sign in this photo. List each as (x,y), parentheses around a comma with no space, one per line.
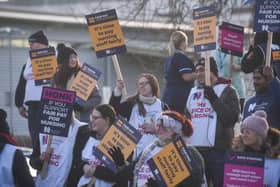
(267,16)
(56,111)
(84,82)
(171,165)
(43,65)
(232,38)
(106,34)
(120,134)
(204,20)
(243,169)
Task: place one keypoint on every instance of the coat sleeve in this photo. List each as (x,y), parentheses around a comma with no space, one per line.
(20,89)
(123,108)
(35,161)
(21,172)
(227,107)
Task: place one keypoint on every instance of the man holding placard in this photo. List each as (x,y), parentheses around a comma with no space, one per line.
(37,41)
(214,110)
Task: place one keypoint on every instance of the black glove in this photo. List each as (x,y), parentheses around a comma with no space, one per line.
(210,94)
(117,155)
(152,182)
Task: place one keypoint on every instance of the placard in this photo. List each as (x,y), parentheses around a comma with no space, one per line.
(243,169)
(84,82)
(44,65)
(171,165)
(204,21)
(231,39)
(267,16)
(56,111)
(120,134)
(106,34)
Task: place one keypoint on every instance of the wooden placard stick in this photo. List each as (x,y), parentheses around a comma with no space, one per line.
(207,69)
(46,162)
(118,71)
(268,48)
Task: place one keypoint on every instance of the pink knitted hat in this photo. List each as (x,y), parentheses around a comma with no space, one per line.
(256,122)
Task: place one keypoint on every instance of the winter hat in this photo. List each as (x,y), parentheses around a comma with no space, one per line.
(256,122)
(177,122)
(213,65)
(4,127)
(64,53)
(38,37)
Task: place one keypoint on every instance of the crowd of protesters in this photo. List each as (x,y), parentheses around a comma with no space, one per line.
(204,116)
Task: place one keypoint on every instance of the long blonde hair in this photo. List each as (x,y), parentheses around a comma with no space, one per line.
(175,41)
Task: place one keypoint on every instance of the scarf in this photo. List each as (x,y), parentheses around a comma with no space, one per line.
(147,100)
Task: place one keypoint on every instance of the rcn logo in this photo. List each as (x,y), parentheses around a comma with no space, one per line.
(197,95)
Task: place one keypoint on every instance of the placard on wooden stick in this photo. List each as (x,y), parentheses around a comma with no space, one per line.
(204,20)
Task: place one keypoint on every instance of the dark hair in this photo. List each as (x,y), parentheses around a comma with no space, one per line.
(187,128)
(213,65)
(64,72)
(155,91)
(107,111)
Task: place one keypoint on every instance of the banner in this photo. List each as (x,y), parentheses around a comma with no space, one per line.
(171,165)
(267,16)
(231,39)
(120,134)
(204,21)
(56,111)
(84,82)
(106,34)
(243,169)
(44,65)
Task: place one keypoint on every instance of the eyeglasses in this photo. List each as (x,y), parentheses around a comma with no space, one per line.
(93,118)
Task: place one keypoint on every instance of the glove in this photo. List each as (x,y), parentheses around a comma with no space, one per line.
(210,94)
(152,182)
(117,155)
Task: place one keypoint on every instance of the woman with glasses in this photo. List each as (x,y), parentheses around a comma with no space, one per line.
(86,168)
(141,109)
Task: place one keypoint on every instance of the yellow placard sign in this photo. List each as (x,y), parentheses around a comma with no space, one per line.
(44,63)
(106,33)
(170,164)
(85,81)
(204,29)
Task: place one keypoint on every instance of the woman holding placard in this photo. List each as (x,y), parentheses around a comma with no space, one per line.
(142,109)
(169,127)
(257,137)
(86,168)
(178,72)
(69,66)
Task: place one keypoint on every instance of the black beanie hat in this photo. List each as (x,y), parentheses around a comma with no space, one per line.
(213,65)
(64,53)
(4,127)
(38,37)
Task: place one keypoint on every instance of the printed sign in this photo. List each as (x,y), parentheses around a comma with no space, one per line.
(231,39)
(204,21)
(243,169)
(120,134)
(267,16)
(106,34)
(56,111)
(43,65)
(84,82)
(171,165)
